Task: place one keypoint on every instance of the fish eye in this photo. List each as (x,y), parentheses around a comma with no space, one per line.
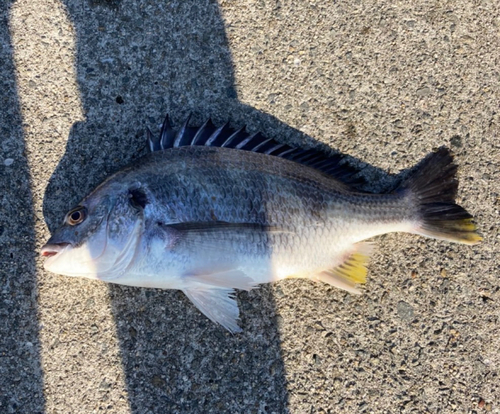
(76,216)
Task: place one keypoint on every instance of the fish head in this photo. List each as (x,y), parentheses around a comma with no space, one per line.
(99,237)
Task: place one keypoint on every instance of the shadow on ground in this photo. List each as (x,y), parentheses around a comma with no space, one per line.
(21,379)
(135,63)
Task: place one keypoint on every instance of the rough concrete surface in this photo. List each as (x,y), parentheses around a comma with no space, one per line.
(383,82)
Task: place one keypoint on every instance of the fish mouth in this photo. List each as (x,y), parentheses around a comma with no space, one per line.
(50,250)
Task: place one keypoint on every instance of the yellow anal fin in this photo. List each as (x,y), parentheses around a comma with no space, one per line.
(350,273)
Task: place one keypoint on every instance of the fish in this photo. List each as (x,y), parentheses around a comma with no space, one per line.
(212,210)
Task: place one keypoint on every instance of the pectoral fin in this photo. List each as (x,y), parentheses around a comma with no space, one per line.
(220,236)
(217,304)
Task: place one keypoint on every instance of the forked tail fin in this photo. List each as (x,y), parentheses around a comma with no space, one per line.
(433,186)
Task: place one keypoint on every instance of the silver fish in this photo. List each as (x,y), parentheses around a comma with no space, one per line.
(211,210)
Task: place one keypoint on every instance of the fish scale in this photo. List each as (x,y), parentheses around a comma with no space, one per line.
(211,219)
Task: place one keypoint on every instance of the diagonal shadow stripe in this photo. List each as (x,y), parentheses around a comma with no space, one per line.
(21,377)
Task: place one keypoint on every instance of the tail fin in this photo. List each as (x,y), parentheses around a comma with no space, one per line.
(433,186)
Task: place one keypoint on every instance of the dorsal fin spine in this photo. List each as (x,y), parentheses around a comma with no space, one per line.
(232,137)
(154,144)
(275,148)
(214,136)
(245,141)
(262,144)
(200,131)
(166,134)
(287,152)
(181,133)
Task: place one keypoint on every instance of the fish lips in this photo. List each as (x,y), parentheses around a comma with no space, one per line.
(51,250)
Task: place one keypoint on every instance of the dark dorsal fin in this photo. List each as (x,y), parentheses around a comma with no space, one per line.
(225,136)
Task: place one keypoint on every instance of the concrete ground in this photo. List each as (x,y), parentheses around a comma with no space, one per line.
(383,82)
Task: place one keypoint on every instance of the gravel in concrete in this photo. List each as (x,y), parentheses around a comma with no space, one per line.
(382,82)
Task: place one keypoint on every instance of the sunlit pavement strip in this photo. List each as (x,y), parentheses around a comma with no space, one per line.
(383,82)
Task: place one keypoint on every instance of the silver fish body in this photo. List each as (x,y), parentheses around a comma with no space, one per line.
(208,220)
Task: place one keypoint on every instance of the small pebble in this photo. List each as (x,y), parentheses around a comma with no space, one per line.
(8,161)
(405,311)
(423,91)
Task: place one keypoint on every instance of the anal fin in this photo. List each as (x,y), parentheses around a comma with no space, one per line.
(351,272)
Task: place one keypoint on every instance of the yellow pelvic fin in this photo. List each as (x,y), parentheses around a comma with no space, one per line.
(351,272)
